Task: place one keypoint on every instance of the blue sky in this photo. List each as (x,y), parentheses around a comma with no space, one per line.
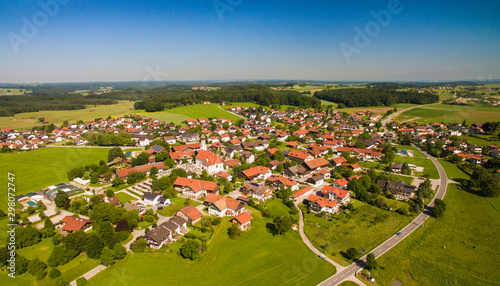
(190,40)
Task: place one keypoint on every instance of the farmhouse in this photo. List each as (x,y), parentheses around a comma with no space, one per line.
(71,224)
(400,190)
(243,220)
(223,206)
(319,204)
(259,192)
(209,161)
(191,214)
(168,231)
(195,188)
(258,172)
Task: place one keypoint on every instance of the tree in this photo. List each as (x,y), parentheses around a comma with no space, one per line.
(352,253)
(234,231)
(278,155)
(117,181)
(139,245)
(282,224)
(119,252)
(54,273)
(115,152)
(107,256)
(37,268)
(94,246)
(94,179)
(61,199)
(439,208)
(190,249)
(48,226)
(153,172)
(61,255)
(81,281)
(371,263)
(142,159)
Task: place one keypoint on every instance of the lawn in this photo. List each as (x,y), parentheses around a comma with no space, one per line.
(416,152)
(429,167)
(41,168)
(177,204)
(469,221)
(30,119)
(180,114)
(277,208)
(452,171)
(123,197)
(255,258)
(453,113)
(399,178)
(348,283)
(365,228)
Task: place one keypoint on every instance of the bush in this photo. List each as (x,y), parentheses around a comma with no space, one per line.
(54,273)
(439,208)
(352,253)
(234,231)
(139,245)
(81,281)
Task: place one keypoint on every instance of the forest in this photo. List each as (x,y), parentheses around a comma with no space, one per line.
(355,97)
(240,93)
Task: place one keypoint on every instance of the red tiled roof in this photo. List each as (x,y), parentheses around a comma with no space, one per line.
(243,218)
(73,223)
(192,212)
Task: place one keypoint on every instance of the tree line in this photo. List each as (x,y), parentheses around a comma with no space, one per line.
(354,97)
(241,93)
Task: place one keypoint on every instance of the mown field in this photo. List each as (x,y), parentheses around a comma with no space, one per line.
(421,259)
(41,168)
(452,171)
(451,113)
(180,114)
(69,271)
(30,119)
(481,140)
(365,228)
(255,258)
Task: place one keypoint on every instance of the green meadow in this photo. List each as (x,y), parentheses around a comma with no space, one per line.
(30,119)
(451,113)
(364,228)
(459,248)
(38,169)
(180,114)
(255,258)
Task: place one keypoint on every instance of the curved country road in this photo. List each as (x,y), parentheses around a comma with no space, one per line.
(389,118)
(352,269)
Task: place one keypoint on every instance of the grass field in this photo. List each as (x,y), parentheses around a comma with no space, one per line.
(255,258)
(495,202)
(399,178)
(366,228)
(180,114)
(123,197)
(70,271)
(429,167)
(377,109)
(415,151)
(41,168)
(348,283)
(452,171)
(483,140)
(30,119)
(468,218)
(452,113)
(13,91)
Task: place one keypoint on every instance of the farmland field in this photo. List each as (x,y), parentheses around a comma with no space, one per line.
(480,140)
(366,227)
(255,258)
(41,168)
(452,113)
(377,109)
(30,119)
(13,91)
(421,259)
(180,114)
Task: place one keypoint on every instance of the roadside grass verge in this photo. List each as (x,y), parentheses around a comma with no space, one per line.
(469,221)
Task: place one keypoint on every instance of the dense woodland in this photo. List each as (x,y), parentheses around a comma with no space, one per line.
(243,93)
(354,97)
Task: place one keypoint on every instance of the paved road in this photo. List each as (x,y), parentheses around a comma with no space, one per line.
(90,274)
(310,245)
(395,239)
(232,112)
